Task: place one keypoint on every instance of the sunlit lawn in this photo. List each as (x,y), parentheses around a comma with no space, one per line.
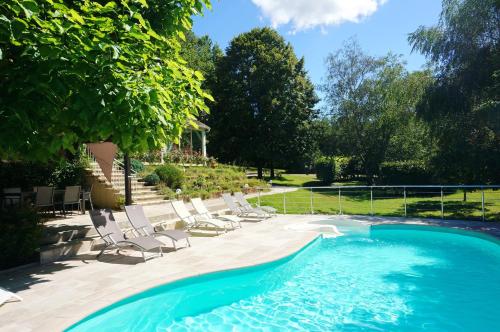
(296,180)
(388,203)
(302,180)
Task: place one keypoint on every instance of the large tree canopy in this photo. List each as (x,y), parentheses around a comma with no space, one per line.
(463,106)
(370,100)
(87,71)
(264,102)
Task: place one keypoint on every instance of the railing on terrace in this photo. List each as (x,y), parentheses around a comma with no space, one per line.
(427,201)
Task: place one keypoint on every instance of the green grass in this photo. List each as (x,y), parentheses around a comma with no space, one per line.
(303,180)
(354,201)
(296,180)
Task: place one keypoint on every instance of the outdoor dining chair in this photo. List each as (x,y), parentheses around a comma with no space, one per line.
(71,198)
(45,198)
(11,197)
(87,197)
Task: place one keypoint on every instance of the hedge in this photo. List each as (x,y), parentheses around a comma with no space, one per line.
(405,173)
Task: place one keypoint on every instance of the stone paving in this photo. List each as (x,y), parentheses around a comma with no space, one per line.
(59,294)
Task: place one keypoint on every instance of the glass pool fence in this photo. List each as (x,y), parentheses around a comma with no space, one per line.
(445,202)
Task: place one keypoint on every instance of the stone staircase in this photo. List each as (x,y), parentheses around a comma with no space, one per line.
(141,193)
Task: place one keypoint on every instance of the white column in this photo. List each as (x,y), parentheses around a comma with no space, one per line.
(204,143)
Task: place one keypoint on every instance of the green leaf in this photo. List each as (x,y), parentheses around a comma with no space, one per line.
(29,7)
(18,27)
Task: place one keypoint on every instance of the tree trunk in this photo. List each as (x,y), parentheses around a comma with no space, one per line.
(465,195)
(259,172)
(272,170)
(128,187)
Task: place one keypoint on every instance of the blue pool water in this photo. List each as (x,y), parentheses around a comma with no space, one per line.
(390,279)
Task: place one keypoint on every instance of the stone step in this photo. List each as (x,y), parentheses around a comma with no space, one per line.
(65,233)
(54,252)
(144,196)
(148,197)
(150,202)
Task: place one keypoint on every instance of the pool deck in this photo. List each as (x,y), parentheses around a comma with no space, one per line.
(59,294)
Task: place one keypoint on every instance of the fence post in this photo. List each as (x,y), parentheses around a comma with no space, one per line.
(442,204)
(312,202)
(404,194)
(371,200)
(340,202)
(284,202)
(482,202)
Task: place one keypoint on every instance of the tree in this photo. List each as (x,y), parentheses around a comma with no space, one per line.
(84,71)
(201,54)
(462,107)
(264,102)
(369,99)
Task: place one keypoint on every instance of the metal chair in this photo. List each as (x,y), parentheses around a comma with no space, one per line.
(45,198)
(11,195)
(71,197)
(87,196)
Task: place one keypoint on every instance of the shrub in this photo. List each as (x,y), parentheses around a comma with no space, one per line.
(325,169)
(27,175)
(136,165)
(20,236)
(24,175)
(166,192)
(342,167)
(347,168)
(68,174)
(405,172)
(152,179)
(171,176)
(153,156)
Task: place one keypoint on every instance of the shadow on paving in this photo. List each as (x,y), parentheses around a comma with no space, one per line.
(24,278)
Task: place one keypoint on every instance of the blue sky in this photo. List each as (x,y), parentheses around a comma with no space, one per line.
(316,28)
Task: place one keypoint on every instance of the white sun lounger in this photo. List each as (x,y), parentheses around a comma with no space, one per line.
(202,210)
(240,212)
(240,198)
(6,296)
(194,221)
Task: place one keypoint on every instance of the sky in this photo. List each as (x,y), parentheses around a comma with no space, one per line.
(316,28)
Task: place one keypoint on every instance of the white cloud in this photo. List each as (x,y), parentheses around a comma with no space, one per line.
(306,14)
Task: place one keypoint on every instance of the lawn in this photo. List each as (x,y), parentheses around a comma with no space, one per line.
(388,203)
(303,180)
(296,180)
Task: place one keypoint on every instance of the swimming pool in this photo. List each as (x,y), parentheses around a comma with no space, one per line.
(395,278)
